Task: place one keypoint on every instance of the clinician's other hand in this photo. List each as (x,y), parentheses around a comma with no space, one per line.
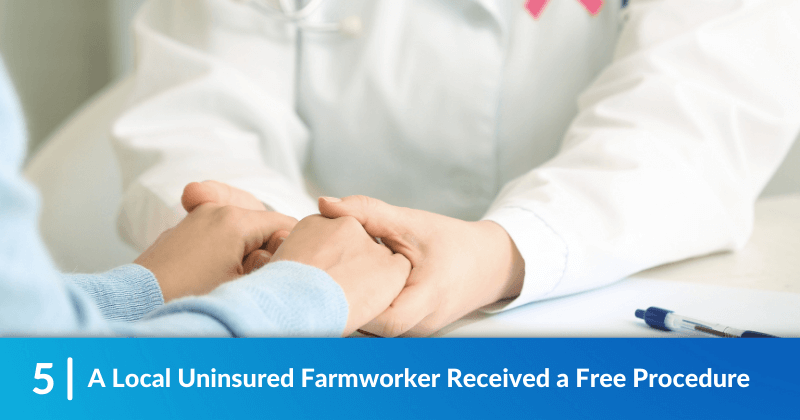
(369,273)
(456,266)
(209,247)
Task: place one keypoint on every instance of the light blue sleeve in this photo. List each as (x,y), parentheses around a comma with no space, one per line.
(281,299)
(285,299)
(126,293)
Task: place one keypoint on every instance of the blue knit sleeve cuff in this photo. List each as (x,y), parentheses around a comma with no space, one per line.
(126,293)
(282,299)
(305,300)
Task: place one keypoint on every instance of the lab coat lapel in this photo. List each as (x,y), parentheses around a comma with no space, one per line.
(498,11)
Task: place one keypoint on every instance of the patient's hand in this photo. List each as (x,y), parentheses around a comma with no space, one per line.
(197,193)
(213,244)
(369,273)
(457,266)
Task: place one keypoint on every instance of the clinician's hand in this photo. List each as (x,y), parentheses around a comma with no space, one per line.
(369,273)
(456,266)
(213,244)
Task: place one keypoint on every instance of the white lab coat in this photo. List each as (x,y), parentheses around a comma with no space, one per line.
(604,145)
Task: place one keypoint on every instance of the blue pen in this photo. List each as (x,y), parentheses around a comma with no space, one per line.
(663,319)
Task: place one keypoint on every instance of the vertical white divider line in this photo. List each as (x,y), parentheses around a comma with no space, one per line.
(69,379)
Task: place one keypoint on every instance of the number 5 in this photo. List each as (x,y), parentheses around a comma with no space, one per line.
(46,377)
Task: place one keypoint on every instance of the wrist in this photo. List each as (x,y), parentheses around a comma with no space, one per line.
(508,266)
(167,292)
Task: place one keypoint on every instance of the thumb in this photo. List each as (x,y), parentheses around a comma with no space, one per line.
(197,193)
(378,218)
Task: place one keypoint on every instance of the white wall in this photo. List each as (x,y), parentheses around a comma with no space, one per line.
(60,52)
(121,13)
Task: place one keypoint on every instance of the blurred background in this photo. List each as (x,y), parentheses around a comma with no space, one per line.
(62,52)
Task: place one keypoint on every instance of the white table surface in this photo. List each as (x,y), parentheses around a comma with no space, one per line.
(757,287)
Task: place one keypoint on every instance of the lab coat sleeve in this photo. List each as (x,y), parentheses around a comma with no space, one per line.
(671,147)
(213,99)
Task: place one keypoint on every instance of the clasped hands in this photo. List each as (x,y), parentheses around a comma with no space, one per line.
(429,270)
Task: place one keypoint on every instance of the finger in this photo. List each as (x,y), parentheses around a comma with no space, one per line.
(378,218)
(237,197)
(276,240)
(410,307)
(259,226)
(197,193)
(256,260)
(427,326)
(402,263)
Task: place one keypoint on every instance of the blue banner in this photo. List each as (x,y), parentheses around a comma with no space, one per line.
(403,378)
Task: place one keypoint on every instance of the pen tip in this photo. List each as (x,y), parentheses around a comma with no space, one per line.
(640,313)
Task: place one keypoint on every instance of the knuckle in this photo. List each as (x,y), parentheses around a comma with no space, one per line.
(230,212)
(361,199)
(394,326)
(369,204)
(310,220)
(349,223)
(366,203)
(204,209)
(315,218)
(402,262)
(164,234)
(230,216)
(423,329)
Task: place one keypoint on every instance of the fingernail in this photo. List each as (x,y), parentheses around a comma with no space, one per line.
(280,240)
(331,199)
